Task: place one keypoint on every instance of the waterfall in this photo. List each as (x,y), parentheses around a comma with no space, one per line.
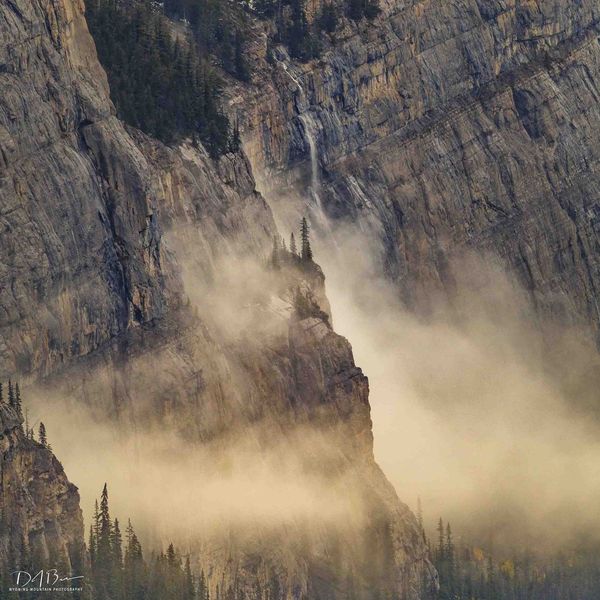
(310,135)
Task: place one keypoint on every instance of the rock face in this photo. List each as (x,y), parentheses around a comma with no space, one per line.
(452,126)
(42,524)
(74,180)
(110,249)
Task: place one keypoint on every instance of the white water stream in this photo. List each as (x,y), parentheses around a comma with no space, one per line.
(310,128)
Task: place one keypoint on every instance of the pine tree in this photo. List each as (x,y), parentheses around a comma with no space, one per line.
(18,405)
(96,521)
(92,546)
(117,546)
(449,559)
(42,435)
(293,248)
(441,554)
(104,565)
(306,251)
(236,141)
(171,556)
(1,393)
(189,591)
(11,394)
(134,572)
(203,587)
(419,513)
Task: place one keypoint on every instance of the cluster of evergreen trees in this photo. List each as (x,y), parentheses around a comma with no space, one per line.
(280,252)
(218,29)
(302,38)
(162,86)
(119,570)
(469,573)
(14,400)
(13,396)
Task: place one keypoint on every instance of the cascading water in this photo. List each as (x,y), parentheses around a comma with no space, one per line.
(310,134)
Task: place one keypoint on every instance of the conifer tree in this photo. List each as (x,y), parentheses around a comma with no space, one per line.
(441,554)
(449,559)
(117,558)
(96,521)
(419,513)
(11,394)
(171,556)
(104,565)
(189,592)
(293,248)
(134,568)
(202,587)
(18,405)
(306,251)
(1,393)
(117,545)
(92,546)
(42,435)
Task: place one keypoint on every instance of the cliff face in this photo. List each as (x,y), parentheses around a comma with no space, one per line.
(83,208)
(42,524)
(444,127)
(111,250)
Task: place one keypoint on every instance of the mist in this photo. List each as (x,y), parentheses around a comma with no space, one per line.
(239,469)
(479,409)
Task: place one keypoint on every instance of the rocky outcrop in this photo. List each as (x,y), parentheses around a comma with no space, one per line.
(84,206)
(113,249)
(450,127)
(42,524)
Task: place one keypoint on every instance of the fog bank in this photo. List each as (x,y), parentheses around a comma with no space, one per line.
(490,421)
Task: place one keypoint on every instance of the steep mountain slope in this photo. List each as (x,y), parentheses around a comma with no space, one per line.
(111,246)
(452,126)
(41,519)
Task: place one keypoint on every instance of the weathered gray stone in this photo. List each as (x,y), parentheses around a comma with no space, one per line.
(97,224)
(452,126)
(39,506)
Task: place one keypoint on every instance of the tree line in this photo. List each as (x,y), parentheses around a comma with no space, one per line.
(304,39)
(468,572)
(158,84)
(280,252)
(120,570)
(13,399)
(218,28)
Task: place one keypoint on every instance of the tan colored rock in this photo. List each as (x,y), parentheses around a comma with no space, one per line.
(453,126)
